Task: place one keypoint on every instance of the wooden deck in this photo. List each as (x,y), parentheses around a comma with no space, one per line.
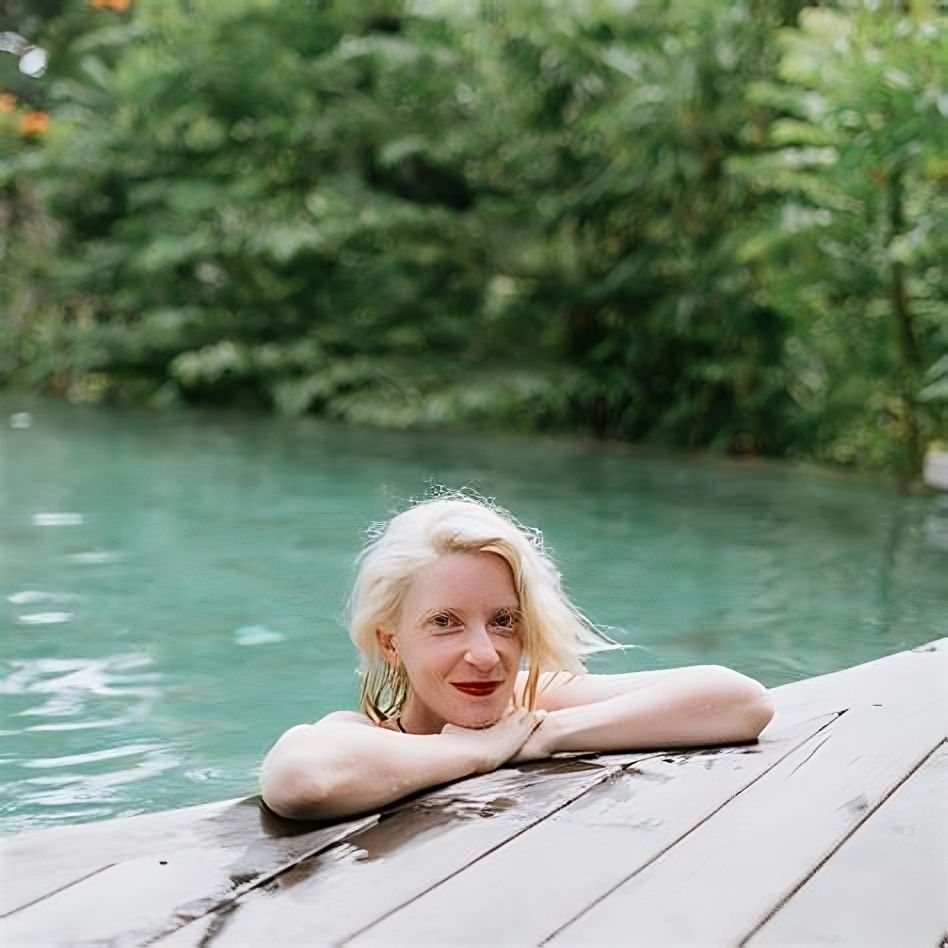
(833,829)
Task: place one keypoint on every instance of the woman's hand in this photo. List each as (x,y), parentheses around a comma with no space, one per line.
(540,744)
(500,742)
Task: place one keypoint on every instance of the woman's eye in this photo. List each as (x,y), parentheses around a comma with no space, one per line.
(442,621)
(505,621)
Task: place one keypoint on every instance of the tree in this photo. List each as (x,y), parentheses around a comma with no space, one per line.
(660,220)
(859,161)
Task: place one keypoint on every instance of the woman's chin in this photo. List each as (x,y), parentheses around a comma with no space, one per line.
(477,718)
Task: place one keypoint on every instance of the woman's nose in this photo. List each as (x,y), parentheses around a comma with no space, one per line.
(480,651)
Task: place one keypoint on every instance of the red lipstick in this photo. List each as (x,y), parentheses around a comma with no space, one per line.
(479,689)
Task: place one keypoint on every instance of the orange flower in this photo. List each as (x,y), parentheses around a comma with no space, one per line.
(7,101)
(34,123)
(118,5)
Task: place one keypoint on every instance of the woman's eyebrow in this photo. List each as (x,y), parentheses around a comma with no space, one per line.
(456,611)
(440,611)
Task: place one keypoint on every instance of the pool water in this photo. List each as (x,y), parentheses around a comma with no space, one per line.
(172,585)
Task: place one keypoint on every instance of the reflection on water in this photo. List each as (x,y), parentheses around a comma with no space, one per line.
(30,596)
(172,585)
(43,618)
(256,635)
(112,697)
(94,557)
(57,519)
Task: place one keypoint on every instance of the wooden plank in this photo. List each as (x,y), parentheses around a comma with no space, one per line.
(733,869)
(41,862)
(159,887)
(37,864)
(599,840)
(841,689)
(887,884)
(604,833)
(327,898)
(322,887)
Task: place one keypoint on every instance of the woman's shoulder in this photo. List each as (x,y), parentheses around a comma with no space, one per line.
(356,717)
(346,717)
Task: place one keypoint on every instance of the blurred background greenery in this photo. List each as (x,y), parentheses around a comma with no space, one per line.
(702,223)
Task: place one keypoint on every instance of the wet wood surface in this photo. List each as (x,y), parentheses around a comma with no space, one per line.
(604,837)
(326,900)
(830,829)
(888,883)
(166,883)
(731,870)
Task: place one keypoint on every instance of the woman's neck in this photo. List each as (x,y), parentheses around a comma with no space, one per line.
(416,718)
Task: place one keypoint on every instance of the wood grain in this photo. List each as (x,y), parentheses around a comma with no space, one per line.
(556,869)
(165,883)
(326,899)
(887,884)
(718,882)
(38,863)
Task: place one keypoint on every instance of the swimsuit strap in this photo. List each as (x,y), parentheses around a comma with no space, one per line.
(398,721)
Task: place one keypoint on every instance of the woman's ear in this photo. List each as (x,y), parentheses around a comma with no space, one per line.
(387,645)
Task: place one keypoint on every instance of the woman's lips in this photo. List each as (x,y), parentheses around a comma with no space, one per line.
(479,690)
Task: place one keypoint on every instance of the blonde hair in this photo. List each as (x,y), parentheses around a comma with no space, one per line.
(555,634)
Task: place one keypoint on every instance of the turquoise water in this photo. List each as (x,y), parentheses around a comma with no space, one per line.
(171,585)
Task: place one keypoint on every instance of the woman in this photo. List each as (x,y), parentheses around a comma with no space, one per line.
(471,657)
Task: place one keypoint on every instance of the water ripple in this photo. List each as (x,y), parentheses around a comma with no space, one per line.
(71,788)
(69,683)
(109,748)
(70,726)
(21,420)
(106,753)
(95,557)
(256,635)
(44,618)
(58,519)
(30,596)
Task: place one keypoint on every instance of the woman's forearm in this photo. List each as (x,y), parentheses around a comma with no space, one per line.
(328,770)
(714,705)
(324,772)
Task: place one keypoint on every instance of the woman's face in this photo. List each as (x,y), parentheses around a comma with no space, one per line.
(458,637)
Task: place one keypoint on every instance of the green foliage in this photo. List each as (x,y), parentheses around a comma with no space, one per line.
(685,220)
(859,167)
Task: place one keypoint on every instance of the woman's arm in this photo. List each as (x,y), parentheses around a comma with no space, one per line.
(339,767)
(684,707)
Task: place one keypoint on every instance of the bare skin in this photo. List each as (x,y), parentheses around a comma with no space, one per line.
(457,637)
